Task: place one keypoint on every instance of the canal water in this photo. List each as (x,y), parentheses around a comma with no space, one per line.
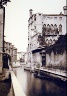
(38,87)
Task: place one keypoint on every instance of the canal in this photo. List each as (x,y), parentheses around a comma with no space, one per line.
(38,87)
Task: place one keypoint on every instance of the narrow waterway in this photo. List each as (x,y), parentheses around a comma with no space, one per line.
(38,87)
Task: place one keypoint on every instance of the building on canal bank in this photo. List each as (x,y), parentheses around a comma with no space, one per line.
(22,57)
(11,51)
(9,56)
(44,30)
(2,14)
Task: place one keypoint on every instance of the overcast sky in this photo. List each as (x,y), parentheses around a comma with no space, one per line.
(17,14)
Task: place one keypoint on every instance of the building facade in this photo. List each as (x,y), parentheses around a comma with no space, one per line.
(21,56)
(44,30)
(11,51)
(2,14)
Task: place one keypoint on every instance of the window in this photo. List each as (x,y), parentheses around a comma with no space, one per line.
(60,18)
(56,29)
(55,25)
(44,25)
(35,30)
(51,28)
(48,17)
(55,17)
(48,25)
(44,29)
(39,14)
(48,28)
(51,24)
(60,28)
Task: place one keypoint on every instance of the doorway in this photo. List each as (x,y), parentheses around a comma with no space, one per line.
(43,61)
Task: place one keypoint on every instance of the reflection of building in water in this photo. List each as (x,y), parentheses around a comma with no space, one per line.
(44,30)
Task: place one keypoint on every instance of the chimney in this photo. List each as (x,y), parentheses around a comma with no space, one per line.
(30,12)
(65,10)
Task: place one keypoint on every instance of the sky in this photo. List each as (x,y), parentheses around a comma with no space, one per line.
(17,15)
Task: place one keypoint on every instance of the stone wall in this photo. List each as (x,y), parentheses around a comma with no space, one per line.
(1,63)
(58,60)
(37,59)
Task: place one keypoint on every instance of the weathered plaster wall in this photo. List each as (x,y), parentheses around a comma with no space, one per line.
(56,59)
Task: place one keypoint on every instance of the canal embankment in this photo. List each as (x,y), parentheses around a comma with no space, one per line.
(38,87)
(16,87)
(53,74)
(32,86)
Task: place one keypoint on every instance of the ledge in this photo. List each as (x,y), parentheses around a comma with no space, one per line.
(16,86)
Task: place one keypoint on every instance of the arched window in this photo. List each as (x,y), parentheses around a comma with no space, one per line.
(51,24)
(55,26)
(56,29)
(48,25)
(44,25)
(48,29)
(60,28)
(44,29)
(52,28)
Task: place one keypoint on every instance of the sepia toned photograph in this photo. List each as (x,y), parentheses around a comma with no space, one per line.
(33,47)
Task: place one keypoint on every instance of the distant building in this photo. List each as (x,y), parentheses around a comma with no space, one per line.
(14,54)
(26,56)
(18,56)
(21,56)
(44,30)
(10,50)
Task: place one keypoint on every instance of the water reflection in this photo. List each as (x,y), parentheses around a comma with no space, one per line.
(38,87)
